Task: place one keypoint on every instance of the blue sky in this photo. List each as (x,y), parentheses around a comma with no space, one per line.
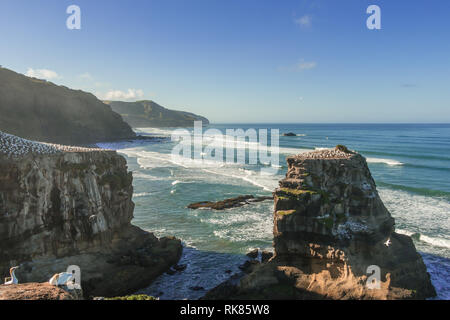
(244,60)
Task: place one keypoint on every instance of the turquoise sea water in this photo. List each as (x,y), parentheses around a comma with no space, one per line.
(410,164)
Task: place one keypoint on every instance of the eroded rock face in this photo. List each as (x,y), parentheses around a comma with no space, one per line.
(330,225)
(326,200)
(75,208)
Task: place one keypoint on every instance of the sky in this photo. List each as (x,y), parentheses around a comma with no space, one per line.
(243,61)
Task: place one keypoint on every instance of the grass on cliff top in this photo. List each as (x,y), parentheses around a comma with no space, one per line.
(133,297)
(297,192)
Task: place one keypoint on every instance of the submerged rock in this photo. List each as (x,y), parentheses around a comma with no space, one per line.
(72,206)
(331,231)
(228,203)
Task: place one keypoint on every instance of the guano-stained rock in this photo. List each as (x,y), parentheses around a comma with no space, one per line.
(330,225)
(74,207)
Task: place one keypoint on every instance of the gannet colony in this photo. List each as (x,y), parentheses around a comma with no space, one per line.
(13,146)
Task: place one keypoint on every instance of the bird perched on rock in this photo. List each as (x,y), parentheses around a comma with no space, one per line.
(13,279)
(61,279)
(388,242)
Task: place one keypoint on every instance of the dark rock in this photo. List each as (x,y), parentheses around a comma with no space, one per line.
(289,134)
(266,256)
(248,265)
(180,267)
(79,209)
(228,203)
(253,254)
(196,288)
(171,271)
(330,225)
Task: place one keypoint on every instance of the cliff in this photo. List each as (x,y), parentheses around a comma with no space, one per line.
(62,206)
(143,114)
(330,225)
(40,110)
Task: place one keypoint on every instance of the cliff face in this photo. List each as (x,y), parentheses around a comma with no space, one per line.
(62,206)
(150,114)
(329,226)
(40,110)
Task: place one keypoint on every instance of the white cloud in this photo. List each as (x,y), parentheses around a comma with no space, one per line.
(42,74)
(304,21)
(86,76)
(299,66)
(130,94)
(305,65)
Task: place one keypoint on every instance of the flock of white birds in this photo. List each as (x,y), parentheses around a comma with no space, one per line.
(13,146)
(325,154)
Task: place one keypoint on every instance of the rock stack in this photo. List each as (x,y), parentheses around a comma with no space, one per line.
(62,206)
(332,234)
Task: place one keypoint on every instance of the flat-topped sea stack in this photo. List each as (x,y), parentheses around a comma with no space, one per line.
(62,206)
(331,231)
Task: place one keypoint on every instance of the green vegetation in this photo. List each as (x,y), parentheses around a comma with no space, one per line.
(133,297)
(297,192)
(148,113)
(285,212)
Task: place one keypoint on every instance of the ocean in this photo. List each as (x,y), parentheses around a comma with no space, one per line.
(409,162)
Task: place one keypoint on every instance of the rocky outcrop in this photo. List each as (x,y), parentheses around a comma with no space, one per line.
(150,114)
(331,231)
(228,203)
(40,110)
(37,291)
(62,206)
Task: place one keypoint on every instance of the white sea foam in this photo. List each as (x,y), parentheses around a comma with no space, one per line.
(438,242)
(427,216)
(250,223)
(140,175)
(141,194)
(267,183)
(155,131)
(389,162)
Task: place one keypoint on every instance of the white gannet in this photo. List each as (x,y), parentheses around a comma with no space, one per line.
(61,279)
(13,279)
(388,242)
